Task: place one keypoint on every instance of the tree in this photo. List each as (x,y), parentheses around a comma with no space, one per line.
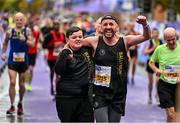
(172,7)
(21,5)
(177,6)
(167,4)
(37,5)
(10,5)
(31,5)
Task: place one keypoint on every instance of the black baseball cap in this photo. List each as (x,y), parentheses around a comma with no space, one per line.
(109,17)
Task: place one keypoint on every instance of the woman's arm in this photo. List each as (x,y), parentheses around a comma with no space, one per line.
(61,63)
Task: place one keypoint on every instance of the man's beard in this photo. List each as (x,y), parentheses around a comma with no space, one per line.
(109,37)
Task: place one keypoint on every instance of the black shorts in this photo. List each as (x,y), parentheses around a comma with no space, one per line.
(167,94)
(148,68)
(105,97)
(20,68)
(51,64)
(116,104)
(32,59)
(75,109)
(133,53)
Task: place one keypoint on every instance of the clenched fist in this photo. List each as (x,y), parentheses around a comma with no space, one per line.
(141,20)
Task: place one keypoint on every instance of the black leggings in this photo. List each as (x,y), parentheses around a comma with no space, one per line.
(77,109)
(107,114)
(51,64)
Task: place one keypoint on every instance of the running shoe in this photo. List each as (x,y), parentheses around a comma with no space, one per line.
(20,109)
(149,101)
(11,110)
(28,87)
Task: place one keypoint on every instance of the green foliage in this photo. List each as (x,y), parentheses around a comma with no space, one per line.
(10,5)
(177,6)
(37,5)
(21,5)
(167,4)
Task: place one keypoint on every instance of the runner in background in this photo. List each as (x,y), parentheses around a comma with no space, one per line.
(65,24)
(133,51)
(149,49)
(32,53)
(1,36)
(97,27)
(20,38)
(167,55)
(53,43)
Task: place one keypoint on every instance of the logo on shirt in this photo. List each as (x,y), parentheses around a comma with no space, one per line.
(102,52)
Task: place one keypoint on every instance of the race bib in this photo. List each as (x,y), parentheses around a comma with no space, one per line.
(102,75)
(172,73)
(19,57)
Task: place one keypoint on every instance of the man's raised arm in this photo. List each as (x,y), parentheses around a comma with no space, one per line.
(131,40)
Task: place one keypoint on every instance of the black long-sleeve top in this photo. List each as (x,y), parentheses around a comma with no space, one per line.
(75,73)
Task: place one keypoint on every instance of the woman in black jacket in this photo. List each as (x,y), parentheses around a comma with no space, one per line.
(74,66)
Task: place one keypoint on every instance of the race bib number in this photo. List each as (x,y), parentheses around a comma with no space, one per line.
(172,73)
(19,57)
(102,75)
